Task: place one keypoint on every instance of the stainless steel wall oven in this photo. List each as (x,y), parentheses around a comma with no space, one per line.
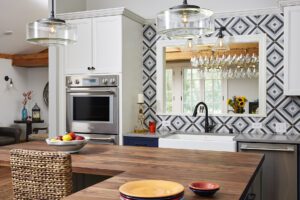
(93,106)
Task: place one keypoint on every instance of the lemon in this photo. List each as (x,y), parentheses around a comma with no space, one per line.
(67,138)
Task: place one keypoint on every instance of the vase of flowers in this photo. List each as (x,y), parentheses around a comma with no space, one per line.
(27,98)
(237,103)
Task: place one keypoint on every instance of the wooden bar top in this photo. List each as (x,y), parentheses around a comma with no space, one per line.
(232,171)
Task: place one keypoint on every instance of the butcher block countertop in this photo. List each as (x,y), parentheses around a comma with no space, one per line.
(234,172)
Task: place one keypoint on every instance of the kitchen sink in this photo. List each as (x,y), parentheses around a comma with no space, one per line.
(202,141)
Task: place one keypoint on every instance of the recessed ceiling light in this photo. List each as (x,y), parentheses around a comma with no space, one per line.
(8,32)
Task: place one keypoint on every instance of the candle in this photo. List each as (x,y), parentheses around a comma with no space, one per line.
(140,98)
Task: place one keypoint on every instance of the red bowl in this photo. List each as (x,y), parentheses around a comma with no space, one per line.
(204,188)
(201,185)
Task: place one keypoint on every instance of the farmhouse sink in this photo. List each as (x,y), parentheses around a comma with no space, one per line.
(210,142)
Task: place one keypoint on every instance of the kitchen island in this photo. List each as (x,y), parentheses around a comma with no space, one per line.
(234,172)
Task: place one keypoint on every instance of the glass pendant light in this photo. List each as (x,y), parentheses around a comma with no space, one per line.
(185,21)
(51,31)
(220,44)
(190,46)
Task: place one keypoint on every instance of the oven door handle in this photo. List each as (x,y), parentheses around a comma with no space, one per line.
(80,90)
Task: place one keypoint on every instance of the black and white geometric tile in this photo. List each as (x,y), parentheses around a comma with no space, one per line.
(279,107)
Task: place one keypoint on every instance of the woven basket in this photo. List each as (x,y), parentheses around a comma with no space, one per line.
(40,175)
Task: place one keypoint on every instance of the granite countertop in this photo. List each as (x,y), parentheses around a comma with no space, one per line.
(268,138)
(162,134)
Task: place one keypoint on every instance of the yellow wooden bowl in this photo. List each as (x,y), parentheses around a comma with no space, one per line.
(151,189)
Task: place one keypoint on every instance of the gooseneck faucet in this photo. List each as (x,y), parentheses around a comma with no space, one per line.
(207,127)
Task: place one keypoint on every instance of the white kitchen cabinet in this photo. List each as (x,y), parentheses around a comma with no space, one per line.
(78,56)
(291,51)
(107,44)
(99,46)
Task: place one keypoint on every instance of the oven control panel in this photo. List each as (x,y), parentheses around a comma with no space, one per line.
(92,81)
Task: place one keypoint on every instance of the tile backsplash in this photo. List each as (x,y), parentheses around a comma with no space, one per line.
(280,108)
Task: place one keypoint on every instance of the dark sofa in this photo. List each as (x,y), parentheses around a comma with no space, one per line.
(9,135)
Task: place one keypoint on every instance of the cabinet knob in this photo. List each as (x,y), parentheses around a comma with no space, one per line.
(89,68)
(93,68)
(77,81)
(70,82)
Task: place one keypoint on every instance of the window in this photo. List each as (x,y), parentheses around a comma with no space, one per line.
(186,86)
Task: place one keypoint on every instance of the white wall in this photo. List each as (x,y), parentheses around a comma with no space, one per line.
(149,8)
(65,6)
(37,79)
(11,98)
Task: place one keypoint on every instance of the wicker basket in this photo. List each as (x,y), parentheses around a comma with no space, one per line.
(40,175)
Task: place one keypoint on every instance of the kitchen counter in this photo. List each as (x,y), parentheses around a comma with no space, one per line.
(233,171)
(157,134)
(163,134)
(268,138)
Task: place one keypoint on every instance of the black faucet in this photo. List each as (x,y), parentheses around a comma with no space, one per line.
(207,127)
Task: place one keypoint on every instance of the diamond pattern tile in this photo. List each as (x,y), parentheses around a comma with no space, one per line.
(279,107)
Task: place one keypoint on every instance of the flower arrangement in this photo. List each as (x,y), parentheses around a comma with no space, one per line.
(237,103)
(27,97)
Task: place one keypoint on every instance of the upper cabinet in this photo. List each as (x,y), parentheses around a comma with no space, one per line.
(107,44)
(99,46)
(291,51)
(78,57)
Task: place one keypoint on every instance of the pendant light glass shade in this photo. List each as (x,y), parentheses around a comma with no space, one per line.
(221,44)
(51,31)
(185,21)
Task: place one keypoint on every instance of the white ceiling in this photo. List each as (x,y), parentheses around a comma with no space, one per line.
(14,15)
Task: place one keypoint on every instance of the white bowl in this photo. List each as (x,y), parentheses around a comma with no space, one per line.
(73,146)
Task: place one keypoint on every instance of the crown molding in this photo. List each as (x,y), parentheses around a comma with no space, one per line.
(102,13)
(275,10)
(285,3)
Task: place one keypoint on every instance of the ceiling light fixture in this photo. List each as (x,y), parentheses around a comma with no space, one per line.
(221,44)
(185,21)
(51,31)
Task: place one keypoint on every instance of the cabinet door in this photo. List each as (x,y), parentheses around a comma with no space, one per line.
(140,141)
(291,50)
(107,44)
(78,56)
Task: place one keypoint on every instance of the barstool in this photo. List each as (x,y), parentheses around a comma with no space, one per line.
(38,175)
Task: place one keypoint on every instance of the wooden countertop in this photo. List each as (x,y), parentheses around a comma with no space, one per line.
(233,171)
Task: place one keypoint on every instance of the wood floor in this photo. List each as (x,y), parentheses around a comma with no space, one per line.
(6,192)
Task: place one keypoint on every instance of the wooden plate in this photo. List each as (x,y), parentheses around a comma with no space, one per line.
(151,188)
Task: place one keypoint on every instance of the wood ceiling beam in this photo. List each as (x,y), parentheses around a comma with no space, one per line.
(185,56)
(6,56)
(31,60)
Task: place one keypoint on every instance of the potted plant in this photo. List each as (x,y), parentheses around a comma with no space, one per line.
(237,103)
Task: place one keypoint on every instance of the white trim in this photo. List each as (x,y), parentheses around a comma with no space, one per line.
(287,40)
(286,3)
(102,13)
(160,59)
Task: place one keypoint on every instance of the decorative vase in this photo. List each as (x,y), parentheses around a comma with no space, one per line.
(239,110)
(24,114)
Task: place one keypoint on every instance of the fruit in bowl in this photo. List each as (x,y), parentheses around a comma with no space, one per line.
(69,142)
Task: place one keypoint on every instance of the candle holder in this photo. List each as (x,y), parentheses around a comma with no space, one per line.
(140,127)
